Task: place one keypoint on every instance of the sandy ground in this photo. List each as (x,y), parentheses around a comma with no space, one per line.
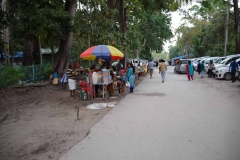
(42,121)
(175,120)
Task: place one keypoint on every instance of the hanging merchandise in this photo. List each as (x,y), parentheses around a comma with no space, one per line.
(100,61)
(106,75)
(94,78)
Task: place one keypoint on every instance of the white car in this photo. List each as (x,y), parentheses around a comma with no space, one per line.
(224,63)
(207,61)
(223,72)
(219,60)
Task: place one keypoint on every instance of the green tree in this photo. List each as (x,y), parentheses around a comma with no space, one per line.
(175,51)
(32,19)
(207,33)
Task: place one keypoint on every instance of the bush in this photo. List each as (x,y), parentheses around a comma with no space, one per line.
(10,75)
(47,70)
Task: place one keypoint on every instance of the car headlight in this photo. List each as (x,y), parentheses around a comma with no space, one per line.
(221,70)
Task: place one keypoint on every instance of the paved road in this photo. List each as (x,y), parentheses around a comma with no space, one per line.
(175,120)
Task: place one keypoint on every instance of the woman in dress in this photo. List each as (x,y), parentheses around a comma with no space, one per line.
(131,76)
(189,70)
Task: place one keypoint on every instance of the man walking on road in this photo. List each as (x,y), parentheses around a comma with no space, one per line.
(202,68)
(234,69)
(150,67)
(162,69)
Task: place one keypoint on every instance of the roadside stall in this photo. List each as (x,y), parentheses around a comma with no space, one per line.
(100,79)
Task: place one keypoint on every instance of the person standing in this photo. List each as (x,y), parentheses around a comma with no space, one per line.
(131,76)
(151,67)
(71,75)
(210,68)
(162,69)
(202,68)
(189,70)
(198,67)
(234,68)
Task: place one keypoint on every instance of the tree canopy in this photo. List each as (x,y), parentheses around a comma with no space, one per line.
(206,33)
(147,23)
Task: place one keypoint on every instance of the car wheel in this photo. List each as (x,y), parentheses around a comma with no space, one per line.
(179,72)
(227,76)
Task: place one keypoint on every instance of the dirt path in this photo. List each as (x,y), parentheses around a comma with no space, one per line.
(41,122)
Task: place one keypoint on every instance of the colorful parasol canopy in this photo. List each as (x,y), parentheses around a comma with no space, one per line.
(105,52)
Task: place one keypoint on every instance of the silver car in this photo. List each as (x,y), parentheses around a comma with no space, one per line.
(180,67)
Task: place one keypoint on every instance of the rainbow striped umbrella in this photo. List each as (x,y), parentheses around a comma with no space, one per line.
(105,52)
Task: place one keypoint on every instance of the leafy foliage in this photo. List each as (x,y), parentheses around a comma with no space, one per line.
(37,17)
(206,36)
(10,75)
(175,51)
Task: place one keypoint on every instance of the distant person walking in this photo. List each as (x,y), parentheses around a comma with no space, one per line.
(234,68)
(151,67)
(162,69)
(189,70)
(202,68)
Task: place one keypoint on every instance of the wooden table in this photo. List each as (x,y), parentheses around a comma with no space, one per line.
(104,85)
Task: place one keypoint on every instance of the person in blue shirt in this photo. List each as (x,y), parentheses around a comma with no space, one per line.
(234,68)
(131,77)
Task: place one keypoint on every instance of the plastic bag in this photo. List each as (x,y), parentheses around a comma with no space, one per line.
(127,84)
(55,81)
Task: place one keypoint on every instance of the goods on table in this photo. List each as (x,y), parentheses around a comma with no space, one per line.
(102,77)
(106,76)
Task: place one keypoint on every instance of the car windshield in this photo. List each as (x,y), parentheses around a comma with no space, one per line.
(184,62)
(215,60)
(207,60)
(224,61)
(219,60)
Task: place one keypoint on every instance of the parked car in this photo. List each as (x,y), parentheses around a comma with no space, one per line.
(223,72)
(224,63)
(136,62)
(195,63)
(114,64)
(219,60)
(204,57)
(180,67)
(207,61)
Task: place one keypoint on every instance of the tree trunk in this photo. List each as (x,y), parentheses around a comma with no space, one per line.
(37,55)
(111,6)
(65,47)
(123,28)
(13,56)
(121,15)
(136,52)
(52,50)
(6,46)
(5,35)
(237,26)
(27,54)
(226,29)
